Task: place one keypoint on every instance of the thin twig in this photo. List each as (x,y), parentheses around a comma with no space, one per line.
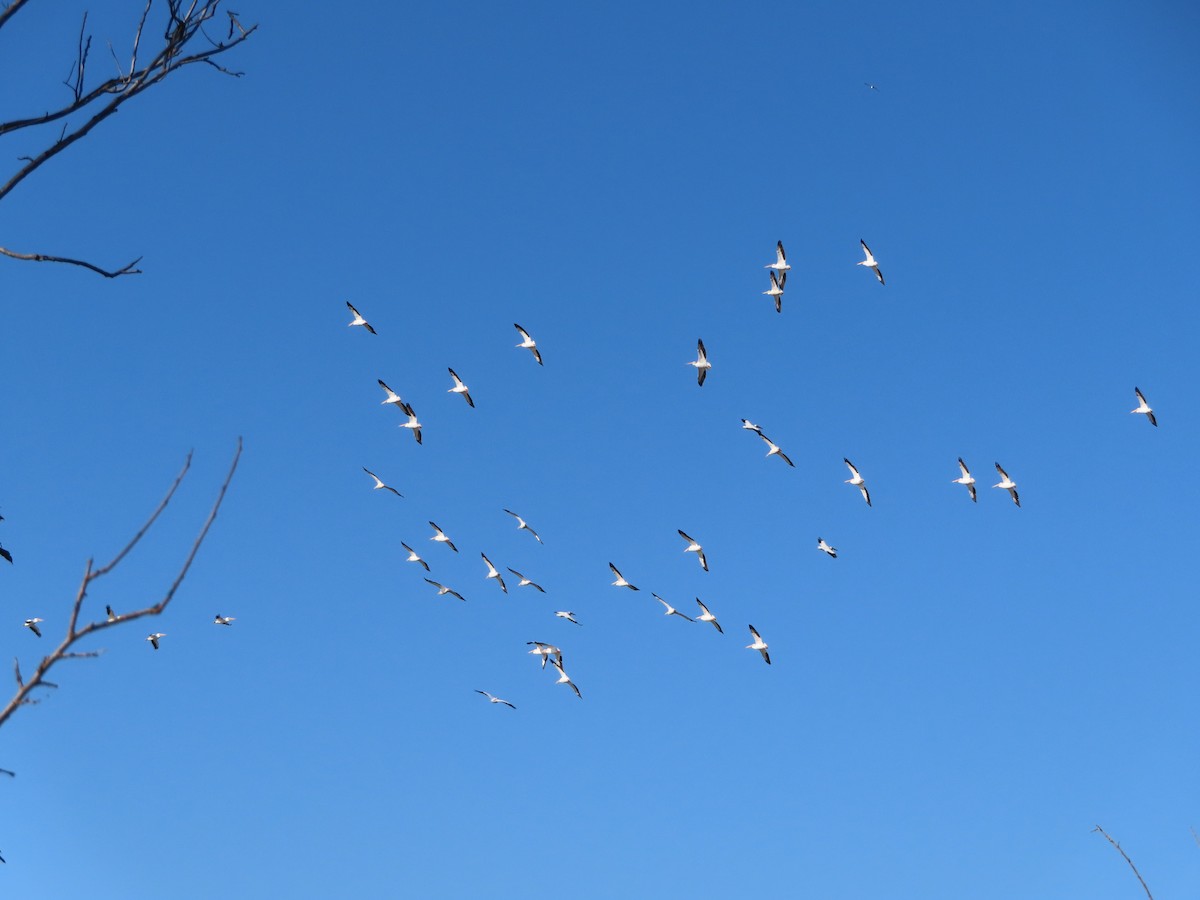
(1127,859)
(127,269)
(75,634)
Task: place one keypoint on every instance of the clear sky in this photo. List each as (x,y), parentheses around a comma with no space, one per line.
(953,703)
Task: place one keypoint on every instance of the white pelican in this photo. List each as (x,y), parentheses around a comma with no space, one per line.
(857,480)
(412,422)
(379,485)
(750,426)
(760,645)
(112,616)
(219,619)
(773,450)
(870,262)
(392,396)
(155,638)
(1008,484)
(32,625)
(545,651)
(780,264)
(358,319)
(693,547)
(528,343)
(442,589)
(441,538)
(493,573)
(965,479)
(564,678)
(525,582)
(620,582)
(522,526)
(776,290)
(494,699)
(1144,408)
(460,388)
(701,363)
(566,614)
(412,556)
(670,610)
(825,548)
(706,616)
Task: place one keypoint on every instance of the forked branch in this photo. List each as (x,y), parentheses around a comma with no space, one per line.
(76,633)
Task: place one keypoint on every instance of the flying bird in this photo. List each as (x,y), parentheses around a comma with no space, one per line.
(545,651)
(32,625)
(441,538)
(620,582)
(569,616)
(701,363)
(693,547)
(155,638)
(379,485)
(4,553)
(1008,484)
(493,573)
(358,319)
(442,589)
(825,548)
(869,262)
(412,556)
(525,582)
(871,86)
(773,450)
(670,610)
(857,480)
(1144,408)
(781,263)
(460,388)
(522,526)
(706,616)
(564,678)
(494,699)
(112,616)
(392,396)
(776,290)
(750,426)
(965,479)
(760,645)
(528,343)
(219,619)
(412,422)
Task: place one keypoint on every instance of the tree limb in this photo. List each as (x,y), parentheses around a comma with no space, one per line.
(1127,859)
(75,633)
(127,269)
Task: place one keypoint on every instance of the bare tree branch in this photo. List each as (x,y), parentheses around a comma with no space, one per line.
(1127,859)
(127,269)
(183,27)
(75,633)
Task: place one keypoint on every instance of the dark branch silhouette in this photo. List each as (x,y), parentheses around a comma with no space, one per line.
(184,42)
(1127,859)
(76,633)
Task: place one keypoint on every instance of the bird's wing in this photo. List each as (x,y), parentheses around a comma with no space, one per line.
(963,466)
(683,534)
(878,274)
(703,561)
(866,249)
(524,333)
(515,572)
(491,568)
(786,459)
(506,703)
(850,466)
(435,584)
(701,374)
(755,633)
(485,693)
(537,354)
(1003,474)
(660,600)
(1153,421)
(700,347)
(1141,399)
(616,572)
(457,380)
(866,494)
(350,307)
(780,256)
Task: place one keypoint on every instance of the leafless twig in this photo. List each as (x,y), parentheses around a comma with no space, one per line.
(76,633)
(1127,859)
(184,31)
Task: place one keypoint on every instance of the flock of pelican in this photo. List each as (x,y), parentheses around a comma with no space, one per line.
(553,655)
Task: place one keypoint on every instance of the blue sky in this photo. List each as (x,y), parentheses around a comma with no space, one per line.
(953,703)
